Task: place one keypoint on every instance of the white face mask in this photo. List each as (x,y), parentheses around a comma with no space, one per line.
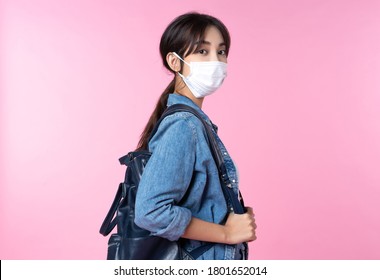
(205,76)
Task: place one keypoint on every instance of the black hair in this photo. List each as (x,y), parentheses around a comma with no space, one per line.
(181,36)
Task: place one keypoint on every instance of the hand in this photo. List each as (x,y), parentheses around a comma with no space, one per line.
(240,227)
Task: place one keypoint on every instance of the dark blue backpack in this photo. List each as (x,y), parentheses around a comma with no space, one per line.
(134,243)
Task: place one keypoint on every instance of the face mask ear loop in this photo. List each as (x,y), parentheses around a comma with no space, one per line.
(180,58)
(183,61)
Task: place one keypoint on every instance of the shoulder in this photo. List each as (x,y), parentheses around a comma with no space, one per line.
(185,120)
(179,128)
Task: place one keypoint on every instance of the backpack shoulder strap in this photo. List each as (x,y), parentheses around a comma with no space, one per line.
(237,206)
(210,137)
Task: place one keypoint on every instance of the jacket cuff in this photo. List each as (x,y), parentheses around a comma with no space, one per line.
(177,227)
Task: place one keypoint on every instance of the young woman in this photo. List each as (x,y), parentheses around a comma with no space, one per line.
(180,194)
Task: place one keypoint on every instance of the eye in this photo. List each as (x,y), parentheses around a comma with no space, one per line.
(222,52)
(203,51)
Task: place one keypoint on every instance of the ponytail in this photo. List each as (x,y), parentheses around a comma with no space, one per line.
(157,113)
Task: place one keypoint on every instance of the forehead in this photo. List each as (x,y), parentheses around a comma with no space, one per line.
(213,35)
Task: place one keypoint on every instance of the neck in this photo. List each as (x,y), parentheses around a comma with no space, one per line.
(181,89)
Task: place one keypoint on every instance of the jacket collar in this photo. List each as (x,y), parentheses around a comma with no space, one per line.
(175,98)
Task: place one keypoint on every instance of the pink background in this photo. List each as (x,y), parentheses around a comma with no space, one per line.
(299,113)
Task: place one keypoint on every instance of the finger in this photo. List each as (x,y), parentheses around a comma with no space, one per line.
(252,239)
(251,214)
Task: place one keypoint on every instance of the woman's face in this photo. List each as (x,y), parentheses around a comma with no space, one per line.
(212,48)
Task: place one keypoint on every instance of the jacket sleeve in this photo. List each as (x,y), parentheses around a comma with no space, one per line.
(166,179)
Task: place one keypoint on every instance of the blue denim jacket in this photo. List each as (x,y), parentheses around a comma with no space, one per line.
(181,181)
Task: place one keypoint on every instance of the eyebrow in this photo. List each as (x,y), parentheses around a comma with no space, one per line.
(204,42)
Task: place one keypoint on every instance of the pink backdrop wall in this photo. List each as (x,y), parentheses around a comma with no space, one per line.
(299,112)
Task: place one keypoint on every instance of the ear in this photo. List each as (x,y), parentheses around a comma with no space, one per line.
(173,62)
